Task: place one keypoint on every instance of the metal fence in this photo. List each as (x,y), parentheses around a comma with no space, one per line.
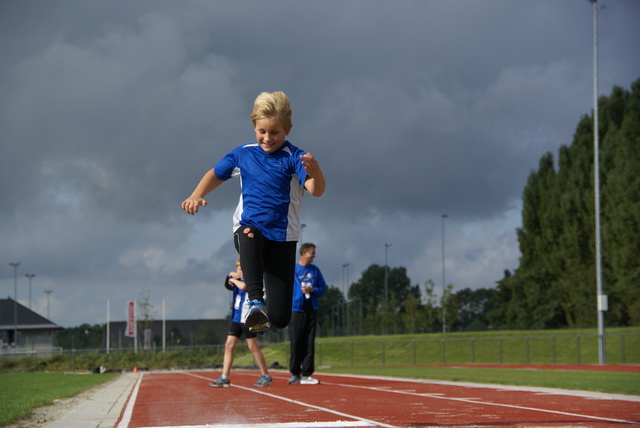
(621,348)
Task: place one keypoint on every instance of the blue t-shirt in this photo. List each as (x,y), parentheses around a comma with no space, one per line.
(272,189)
(308,275)
(240,305)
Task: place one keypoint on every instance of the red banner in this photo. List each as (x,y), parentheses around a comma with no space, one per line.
(131,320)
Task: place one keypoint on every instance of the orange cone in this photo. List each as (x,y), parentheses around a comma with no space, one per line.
(135,369)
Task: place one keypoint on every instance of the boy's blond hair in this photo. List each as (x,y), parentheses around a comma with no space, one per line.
(272,104)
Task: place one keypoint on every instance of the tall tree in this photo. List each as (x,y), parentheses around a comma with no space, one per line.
(430,302)
(474,307)
(369,288)
(555,283)
(412,316)
(533,299)
(449,302)
(621,189)
(331,301)
(371,285)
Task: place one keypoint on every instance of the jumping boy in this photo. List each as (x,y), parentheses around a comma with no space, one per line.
(274,175)
(235,282)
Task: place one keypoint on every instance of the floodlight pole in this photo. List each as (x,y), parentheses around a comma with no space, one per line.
(601,299)
(108,344)
(345,280)
(48,301)
(30,276)
(386,274)
(15,301)
(444,319)
(386,293)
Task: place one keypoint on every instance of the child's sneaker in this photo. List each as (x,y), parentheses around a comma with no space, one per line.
(308,380)
(294,380)
(221,382)
(264,380)
(257,319)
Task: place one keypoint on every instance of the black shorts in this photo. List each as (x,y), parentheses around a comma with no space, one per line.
(238,329)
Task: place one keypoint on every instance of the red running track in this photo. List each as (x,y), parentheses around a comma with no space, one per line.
(184,399)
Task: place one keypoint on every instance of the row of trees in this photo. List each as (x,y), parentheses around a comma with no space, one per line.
(402,307)
(555,283)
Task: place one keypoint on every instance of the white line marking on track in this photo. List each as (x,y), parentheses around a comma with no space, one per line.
(126,417)
(302,403)
(474,401)
(337,424)
(499,387)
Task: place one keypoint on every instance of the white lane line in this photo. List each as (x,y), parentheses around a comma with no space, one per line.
(336,424)
(302,403)
(499,387)
(476,401)
(126,417)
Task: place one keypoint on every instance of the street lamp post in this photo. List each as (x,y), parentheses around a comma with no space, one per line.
(48,295)
(386,293)
(444,318)
(30,276)
(15,301)
(386,270)
(602,299)
(345,279)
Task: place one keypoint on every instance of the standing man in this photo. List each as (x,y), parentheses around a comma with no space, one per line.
(309,285)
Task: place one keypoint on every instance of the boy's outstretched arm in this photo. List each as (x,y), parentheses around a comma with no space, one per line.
(315,183)
(207,185)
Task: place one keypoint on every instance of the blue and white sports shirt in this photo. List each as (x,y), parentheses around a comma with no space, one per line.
(308,275)
(240,305)
(272,188)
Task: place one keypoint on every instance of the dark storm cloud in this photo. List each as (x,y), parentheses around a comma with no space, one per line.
(111,112)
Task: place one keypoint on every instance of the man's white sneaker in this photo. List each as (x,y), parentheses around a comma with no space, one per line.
(308,380)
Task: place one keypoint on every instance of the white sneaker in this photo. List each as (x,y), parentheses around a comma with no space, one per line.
(308,380)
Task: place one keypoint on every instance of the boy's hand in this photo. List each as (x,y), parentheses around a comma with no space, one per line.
(310,165)
(191,204)
(314,183)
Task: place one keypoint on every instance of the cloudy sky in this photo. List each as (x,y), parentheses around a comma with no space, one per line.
(111,112)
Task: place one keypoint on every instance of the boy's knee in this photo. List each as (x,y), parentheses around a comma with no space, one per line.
(279,321)
(250,232)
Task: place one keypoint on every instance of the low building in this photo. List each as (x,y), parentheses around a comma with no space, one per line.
(33,330)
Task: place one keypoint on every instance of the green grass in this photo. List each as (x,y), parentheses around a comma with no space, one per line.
(20,393)
(125,360)
(583,380)
(402,355)
(498,347)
